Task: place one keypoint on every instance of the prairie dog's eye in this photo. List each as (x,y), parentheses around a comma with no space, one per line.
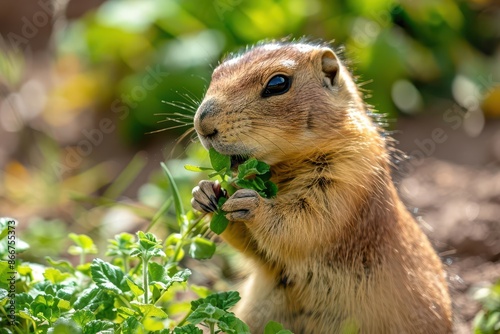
(279,84)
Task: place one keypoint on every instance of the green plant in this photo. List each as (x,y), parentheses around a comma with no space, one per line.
(487,321)
(121,295)
(251,174)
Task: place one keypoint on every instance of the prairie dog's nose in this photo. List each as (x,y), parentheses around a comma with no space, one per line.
(205,120)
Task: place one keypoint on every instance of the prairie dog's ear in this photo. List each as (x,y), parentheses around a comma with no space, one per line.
(330,67)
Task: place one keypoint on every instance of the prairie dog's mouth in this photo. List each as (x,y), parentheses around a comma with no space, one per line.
(237,160)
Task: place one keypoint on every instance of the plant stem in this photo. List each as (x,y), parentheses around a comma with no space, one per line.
(145,261)
(212,327)
(125,263)
(183,319)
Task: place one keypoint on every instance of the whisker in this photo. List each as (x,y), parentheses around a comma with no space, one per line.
(260,143)
(174,114)
(168,119)
(180,139)
(169,128)
(182,106)
(189,97)
(259,125)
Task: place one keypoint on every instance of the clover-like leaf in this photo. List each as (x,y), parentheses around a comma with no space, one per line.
(136,289)
(201,248)
(55,276)
(222,300)
(108,276)
(220,162)
(84,244)
(99,326)
(219,222)
(121,245)
(81,317)
(149,310)
(273,327)
(188,329)
(229,323)
(206,313)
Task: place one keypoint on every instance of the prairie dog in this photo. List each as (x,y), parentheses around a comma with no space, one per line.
(336,248)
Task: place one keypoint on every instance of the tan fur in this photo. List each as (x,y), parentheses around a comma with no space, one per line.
(336,247)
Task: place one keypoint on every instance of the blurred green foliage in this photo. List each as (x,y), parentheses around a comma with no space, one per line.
(424,45)
(487,321)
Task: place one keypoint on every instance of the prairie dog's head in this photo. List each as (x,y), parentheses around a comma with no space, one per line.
(277,100)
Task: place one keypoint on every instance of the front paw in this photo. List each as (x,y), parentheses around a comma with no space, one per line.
(206,196)
(241,207)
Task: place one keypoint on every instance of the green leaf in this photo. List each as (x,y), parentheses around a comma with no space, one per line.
(65,326)
(148,240)
(136,290)
(252,167)
(181,276)
(4,223)
(219,222)
(67,291)
(350,326)
(84,268)
(158,273)
(222,300)
(132,326)
(219,161)
(274,327)
(84,244)
(148,310)
(271,189)
(263,168)
(201,248)
(173,239)
(259,184)
(192,168)
(229,323)
(99,301)
(81,317)
(3,294)
(55,276)
(108,276)
(60,264)
(188,329)
(206,313)
(25,270)
(23,300)
(5,274)
(162,331)
(44,306)
(126,312)
(99,326)
(86,297)
(121,245)
(179,209)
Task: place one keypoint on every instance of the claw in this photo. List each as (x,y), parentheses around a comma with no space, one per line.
(241,205)
(206,196)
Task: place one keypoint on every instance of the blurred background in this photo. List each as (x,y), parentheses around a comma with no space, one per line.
(95,94)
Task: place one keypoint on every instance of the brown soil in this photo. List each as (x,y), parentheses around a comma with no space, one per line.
(455,195)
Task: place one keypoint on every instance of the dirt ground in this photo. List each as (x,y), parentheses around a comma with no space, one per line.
(455,195)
